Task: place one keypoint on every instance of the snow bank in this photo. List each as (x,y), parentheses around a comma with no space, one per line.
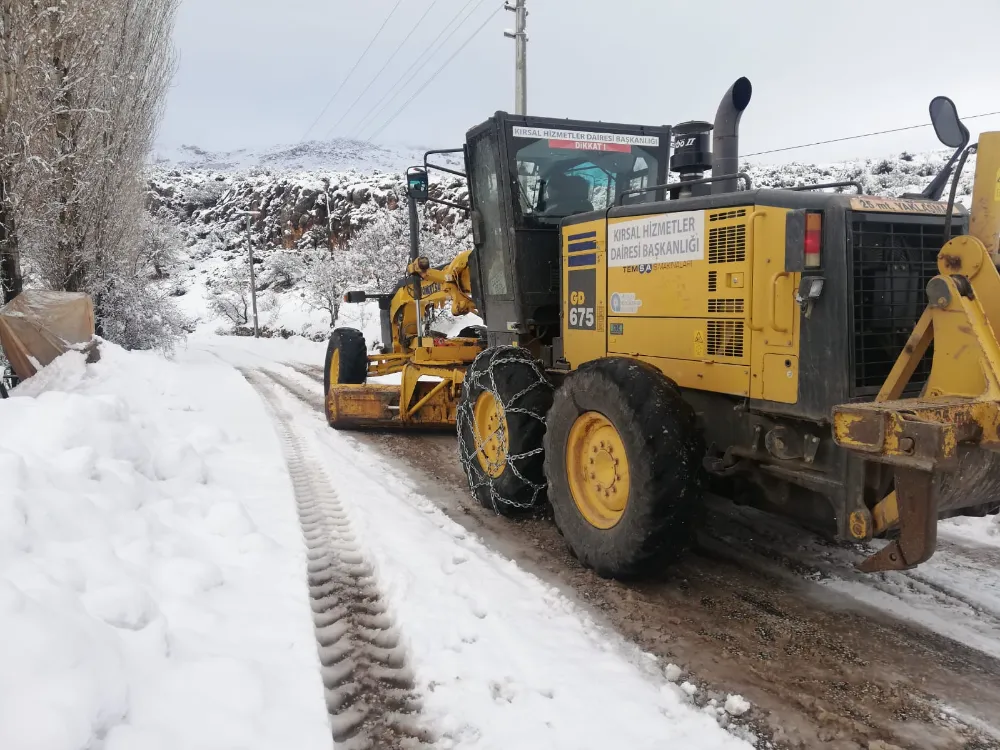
(151,570)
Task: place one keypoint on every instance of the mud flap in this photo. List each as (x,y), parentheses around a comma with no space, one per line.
(917,499)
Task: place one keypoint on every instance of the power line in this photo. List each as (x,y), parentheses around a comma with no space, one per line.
(411,71)
(351,71)
(855,137)
(436,72)
(388,61)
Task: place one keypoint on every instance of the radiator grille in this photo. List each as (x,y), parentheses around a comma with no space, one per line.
(724,215)
(892,263)
(725,305)
(727,244)
(713,281)
(724,338)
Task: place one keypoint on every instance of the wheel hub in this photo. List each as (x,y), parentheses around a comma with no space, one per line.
(598,470)
(490,430)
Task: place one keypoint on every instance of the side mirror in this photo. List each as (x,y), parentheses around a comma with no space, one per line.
(417,185)
(951,132)
(353,298)
(949,129)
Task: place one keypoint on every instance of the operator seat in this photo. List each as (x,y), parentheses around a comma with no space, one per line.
(568,195)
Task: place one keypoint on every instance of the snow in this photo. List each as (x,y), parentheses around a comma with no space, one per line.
(672,672)
(985,530)
(153,592)
(736,705)
(151,589)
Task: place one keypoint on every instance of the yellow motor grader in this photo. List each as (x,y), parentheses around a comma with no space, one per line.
(813,351)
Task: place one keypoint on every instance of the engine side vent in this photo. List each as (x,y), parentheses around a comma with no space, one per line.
(713,281)
(724,338)
(724,215)
(725,305)
(727,244)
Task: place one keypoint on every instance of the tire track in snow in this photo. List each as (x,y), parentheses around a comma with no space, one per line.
(369,687)
(301,392)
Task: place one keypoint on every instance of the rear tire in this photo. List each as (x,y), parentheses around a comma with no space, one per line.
(501,425)
(625,403)
(346,359)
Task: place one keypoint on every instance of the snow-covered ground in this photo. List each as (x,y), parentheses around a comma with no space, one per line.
(153,590)
(151,566)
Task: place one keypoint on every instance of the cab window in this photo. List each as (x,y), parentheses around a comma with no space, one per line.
(556,178)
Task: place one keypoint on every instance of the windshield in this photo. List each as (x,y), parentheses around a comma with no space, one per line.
(567,172)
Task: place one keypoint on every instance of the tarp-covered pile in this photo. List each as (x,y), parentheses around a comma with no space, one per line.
(37,326)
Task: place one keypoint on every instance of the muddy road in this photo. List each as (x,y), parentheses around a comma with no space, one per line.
(749,612)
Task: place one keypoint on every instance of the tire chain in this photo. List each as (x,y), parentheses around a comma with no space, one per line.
(466,416)
(368,685)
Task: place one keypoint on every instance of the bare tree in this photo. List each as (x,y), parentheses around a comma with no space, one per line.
(326,281)
(379,253)
(24,126)
(158,247)
(83,84)
(229,294)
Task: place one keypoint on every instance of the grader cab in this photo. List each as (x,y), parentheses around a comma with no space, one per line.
(813,351)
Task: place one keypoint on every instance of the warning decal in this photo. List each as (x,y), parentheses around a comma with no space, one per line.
(587,140)
(699,344)
(899,205)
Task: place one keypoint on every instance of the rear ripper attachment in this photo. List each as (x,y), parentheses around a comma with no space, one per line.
(942,445)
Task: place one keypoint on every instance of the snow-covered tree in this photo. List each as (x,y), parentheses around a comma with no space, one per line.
(229,294)
(326,281)
(159,245)
(379,253)
(283,270)
(83,85)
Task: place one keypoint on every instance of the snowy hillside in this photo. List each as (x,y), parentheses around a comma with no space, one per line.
(337,155)
(307,222)
(309,216)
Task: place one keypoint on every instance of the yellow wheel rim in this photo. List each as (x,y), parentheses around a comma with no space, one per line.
(490,431)
(335,367)
(597,469)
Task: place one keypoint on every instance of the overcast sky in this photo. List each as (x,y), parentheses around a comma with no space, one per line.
(258,72)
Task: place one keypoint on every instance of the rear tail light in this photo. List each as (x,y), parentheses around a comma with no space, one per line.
(814,239)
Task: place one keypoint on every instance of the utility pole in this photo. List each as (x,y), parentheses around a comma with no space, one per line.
(253,276)
(520,37)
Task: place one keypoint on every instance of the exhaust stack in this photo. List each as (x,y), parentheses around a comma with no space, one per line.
(726,139)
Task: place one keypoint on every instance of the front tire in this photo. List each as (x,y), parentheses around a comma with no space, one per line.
(346,359)
(501,424)
(623,463)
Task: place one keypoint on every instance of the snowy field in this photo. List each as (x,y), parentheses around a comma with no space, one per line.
(153,590)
